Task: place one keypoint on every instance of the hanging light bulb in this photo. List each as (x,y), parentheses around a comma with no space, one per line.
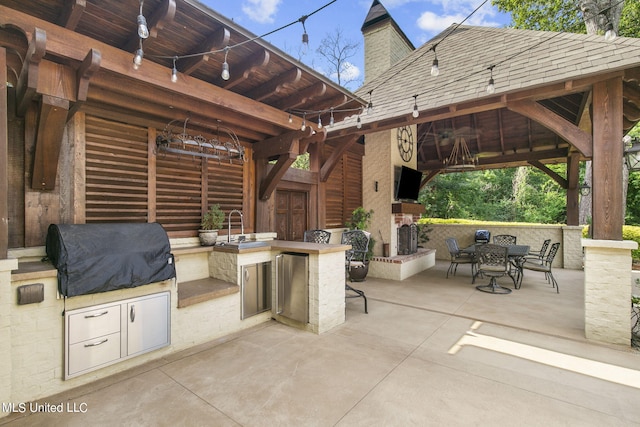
(143,30)
(137,58)
(174,72)
(610,33)
(305,36)
(290,118)
(319,122)
(304,122)
(359,123)
(415,112)
(435,71)
(491,88)
(370,104)
(331,119)
(225,66)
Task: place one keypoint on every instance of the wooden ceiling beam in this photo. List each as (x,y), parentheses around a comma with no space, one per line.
(562,127)
(216,41)
(28,80)
(631,92)
(429,177)
(632,74)
(281,144)
(269,184)
(72,12)
(89,66)
(631,111)
(318,136)
(73,46)
(51,124)
(333,160)
(147,107)
(302,96)
(243,71)
(562,182)
(275,85)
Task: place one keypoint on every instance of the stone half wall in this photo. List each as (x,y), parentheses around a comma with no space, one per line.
(569,256)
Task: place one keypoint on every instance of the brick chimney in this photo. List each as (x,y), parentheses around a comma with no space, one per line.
(384,42)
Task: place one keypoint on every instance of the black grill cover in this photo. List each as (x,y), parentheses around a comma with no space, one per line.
(93,258)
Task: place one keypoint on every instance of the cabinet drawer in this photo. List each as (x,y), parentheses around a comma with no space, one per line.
(93,353)
(94,323)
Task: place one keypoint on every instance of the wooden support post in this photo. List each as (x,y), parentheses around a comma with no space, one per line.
(4,158)
(607,209)
(573,190)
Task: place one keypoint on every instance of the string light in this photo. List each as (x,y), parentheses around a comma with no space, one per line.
(491,88)
(174,72)
(137,58)
(143,30)
(435,71)
(370,104)
(225,65)
(610,33)
(331,119)
(290,118)
(359,122)
(304,122)
(415,112)
(305,36)
(319,122)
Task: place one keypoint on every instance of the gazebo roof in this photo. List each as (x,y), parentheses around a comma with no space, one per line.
(556,70)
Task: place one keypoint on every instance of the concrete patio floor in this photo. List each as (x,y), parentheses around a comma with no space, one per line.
(431,351)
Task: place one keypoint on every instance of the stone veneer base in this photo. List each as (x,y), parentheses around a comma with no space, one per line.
(401,267)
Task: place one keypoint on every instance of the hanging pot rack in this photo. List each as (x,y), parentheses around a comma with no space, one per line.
(224,147)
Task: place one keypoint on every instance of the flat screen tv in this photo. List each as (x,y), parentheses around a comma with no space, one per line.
(408,187)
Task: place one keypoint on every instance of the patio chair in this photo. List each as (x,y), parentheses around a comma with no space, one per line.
(458,257)
(545,266)
(317,236)
(538,256)
(356,257)
(504,239)
(482,236)
(493,262)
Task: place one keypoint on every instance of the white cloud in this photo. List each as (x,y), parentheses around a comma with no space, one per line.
(456,12)
(350,72)
(261,11)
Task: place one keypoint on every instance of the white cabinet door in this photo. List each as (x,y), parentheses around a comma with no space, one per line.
(147,323)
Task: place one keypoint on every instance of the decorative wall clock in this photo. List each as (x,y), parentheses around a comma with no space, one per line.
(405,143)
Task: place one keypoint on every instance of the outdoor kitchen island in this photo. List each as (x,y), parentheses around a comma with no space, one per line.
(37,329)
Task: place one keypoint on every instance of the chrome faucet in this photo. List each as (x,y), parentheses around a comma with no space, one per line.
(229,223)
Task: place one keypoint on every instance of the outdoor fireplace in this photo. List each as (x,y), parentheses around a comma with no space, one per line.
(407,239)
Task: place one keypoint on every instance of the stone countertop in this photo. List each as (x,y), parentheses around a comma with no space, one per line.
(285,246)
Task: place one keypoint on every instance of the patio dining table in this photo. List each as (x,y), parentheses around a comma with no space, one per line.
(516,254)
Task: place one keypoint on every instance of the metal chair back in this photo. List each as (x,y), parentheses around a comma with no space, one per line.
(504,240)
(492,259)
(317,236)
(359,241)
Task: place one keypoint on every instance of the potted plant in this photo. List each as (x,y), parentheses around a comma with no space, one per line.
(211,222)
(361,220)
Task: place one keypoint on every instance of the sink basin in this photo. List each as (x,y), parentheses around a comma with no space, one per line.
(245,244)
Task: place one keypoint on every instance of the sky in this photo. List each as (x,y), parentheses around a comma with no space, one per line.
(419,19)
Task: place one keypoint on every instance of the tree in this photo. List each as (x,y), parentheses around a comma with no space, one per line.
(578,16)
(336,52)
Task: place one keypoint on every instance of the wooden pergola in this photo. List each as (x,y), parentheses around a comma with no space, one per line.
(64,57)
(558,98)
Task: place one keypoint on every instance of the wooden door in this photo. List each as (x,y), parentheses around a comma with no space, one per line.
(291,214)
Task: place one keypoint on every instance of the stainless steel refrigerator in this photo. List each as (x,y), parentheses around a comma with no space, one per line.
(292,286)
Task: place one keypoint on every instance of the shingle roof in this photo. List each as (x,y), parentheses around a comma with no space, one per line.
(522,59)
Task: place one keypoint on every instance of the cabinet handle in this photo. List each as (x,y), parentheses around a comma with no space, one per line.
(132,313)
(95,344)
(89,316)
